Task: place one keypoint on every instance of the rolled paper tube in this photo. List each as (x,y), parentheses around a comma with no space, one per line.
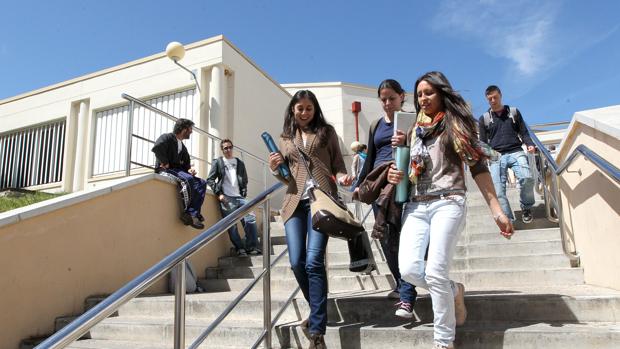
(402,164)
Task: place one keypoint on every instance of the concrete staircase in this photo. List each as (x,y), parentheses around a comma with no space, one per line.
(520,293)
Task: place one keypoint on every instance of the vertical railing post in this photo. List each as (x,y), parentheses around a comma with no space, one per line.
(129,139)
(179,306)
(264,176)
(267,277)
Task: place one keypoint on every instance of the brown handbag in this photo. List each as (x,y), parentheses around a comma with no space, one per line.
(329,215)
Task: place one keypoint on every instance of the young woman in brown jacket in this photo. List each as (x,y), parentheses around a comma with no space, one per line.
(305,130)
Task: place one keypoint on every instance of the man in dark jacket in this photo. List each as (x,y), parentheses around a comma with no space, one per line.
(228,179)
(503,128)
(173,160)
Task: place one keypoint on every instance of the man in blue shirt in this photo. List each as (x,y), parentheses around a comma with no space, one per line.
(503,128)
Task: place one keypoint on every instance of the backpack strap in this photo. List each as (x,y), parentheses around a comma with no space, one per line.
(488,119)
(513,114)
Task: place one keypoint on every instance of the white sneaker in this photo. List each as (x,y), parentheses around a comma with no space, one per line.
(405,310)
(439,346)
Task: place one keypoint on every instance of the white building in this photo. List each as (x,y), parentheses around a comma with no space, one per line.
(72,135)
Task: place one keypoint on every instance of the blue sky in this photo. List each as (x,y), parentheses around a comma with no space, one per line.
(551,58)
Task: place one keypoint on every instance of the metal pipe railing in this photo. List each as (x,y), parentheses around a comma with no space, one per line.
(135,287)
(197,129)
(264,275)
(552,196)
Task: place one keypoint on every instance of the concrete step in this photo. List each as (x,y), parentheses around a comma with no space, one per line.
(509,248)
(161,331)
(283,270)
(485,223)
(517,277)
(485,305)
(336,245)
(521,235)
(115,344)
(477,278)
(505,335)
(543,261)
(533,261)
(353,282)
(500,248)
(205,306)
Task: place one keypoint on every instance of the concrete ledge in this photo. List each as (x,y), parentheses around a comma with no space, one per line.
(26,212)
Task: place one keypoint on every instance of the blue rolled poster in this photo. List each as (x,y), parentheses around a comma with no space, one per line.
(273,148)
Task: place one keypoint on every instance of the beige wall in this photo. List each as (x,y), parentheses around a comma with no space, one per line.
(591,205)
(53,261)
(258,105)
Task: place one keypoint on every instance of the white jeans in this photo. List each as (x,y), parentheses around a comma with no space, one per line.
(436,224)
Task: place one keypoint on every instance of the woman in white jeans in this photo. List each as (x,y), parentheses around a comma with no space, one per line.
(443,140)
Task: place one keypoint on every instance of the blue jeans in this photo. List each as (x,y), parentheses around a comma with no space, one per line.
(197,188)
(229,205)
(406,290)
(521,167)
(306,252)
(434,225)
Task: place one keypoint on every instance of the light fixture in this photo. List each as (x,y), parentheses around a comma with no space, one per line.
(175,51)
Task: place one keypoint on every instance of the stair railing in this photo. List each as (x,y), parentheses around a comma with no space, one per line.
(551,190)
(213,138)
(177,259)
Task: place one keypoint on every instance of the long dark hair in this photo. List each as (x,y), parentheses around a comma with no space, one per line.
(457,110)
(318,125)
(392,85)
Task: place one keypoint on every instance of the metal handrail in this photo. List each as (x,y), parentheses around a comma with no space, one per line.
(177,259)
(552,196)
(294,293)
(195,128)
(201,338)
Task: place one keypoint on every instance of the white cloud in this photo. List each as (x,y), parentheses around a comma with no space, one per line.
(520,31)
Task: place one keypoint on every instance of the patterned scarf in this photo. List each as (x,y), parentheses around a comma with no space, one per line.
(469,150)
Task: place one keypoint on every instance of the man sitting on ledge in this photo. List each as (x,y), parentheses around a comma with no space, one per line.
(173,160)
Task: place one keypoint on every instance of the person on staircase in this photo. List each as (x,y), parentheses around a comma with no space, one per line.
(503,128)
(173,160)
(381,141)
(443,140)
(228,179)
(359,157)
(305,129)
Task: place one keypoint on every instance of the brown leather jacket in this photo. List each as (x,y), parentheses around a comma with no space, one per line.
(376,189)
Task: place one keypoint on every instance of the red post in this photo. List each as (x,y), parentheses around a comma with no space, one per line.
(356,107)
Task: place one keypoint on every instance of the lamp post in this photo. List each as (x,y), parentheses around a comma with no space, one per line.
(175,51)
